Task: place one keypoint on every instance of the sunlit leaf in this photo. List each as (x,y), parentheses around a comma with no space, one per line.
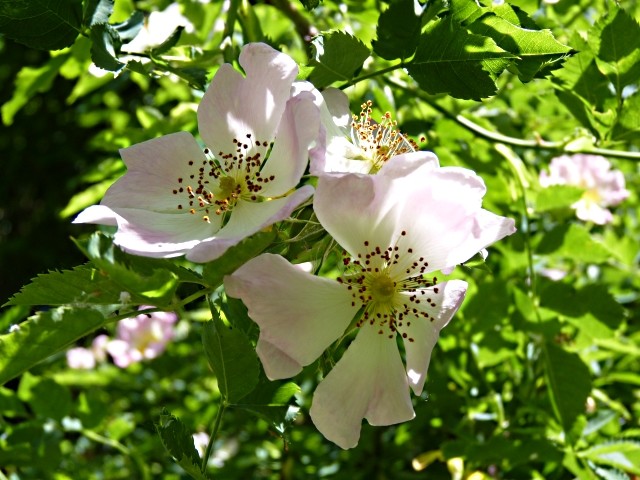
(337,57)
(42,335)
(622,454)
(451,60)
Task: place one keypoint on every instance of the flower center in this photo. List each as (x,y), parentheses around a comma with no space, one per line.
(378,142)
(389,283)
(218,182)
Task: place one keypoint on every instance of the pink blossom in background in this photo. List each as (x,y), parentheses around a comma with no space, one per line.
(177,199)
(141,338)
(80,358)
(87,358)
(603,186)
(397,228)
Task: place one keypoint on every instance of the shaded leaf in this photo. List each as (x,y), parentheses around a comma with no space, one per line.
(29,82)
(97,11)
(42,335)
(169,43)
(42,24)
(177,440)
(568,381)
(398,31)
(105,47)
(214,272)
(337,56)
(129,29)
(232,357)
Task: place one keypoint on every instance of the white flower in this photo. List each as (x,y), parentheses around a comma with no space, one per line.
(603,187)
(354,144)
(396,227)
(175,199)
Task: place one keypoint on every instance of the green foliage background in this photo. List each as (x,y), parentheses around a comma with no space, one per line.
(534,378)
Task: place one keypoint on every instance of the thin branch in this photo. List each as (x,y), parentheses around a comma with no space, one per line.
(496,137)
(367,76)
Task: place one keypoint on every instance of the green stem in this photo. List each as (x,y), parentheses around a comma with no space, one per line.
(214,433)
(496,137)
(182,303)
(367,76)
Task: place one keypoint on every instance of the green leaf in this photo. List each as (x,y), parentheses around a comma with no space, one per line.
(97,11)
(574,241)
(272,401)
(41,336)
(50,399)
(148,281)
(398,31)
(616,42)
(622,454)
(337,56)
(628,126)
(310,4)
(105,46)
(568,381)
(232,358)
(536,49)
(214,272)
(591,308)
(557,196)
(169,43)
(178,441)
(129,29)
(81,287)
(41,24)
(29,82)
(451,60)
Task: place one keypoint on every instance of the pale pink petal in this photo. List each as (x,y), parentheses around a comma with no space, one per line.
(449,226)
(424,333)
(155,169)
(590,211)
(411,163)
(153,234)
(98,214)
(355,208)
(299,314)
(368,382)
(298,129)
(248,218)
(235,106)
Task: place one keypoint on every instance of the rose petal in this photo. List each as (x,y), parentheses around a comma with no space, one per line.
(368,382)
(234,106)
(299,127)
(299,314)
(424,333)
(246,219)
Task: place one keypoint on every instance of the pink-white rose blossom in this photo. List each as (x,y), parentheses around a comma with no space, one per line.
(142,337)
(603,187)
(353,144)
(396,227)
(176,199)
